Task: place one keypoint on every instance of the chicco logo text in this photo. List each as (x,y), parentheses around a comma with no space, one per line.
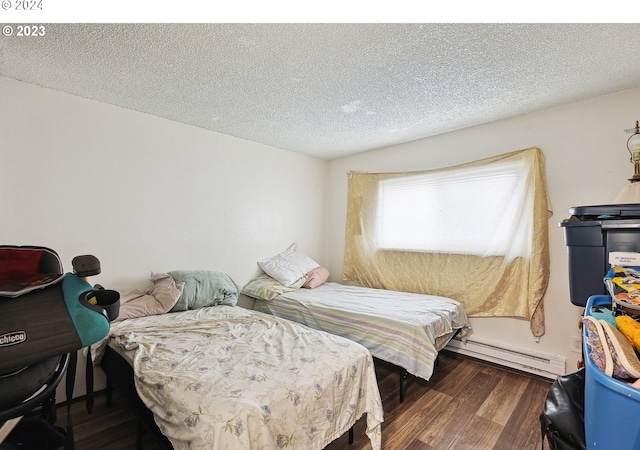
(12,338)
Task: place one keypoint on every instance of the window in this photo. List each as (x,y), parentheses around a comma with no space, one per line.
(476,210)
(477,232)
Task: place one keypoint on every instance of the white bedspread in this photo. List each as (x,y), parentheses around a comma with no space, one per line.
(402,328)
(229,378)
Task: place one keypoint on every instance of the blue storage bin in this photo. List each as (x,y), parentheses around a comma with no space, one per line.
(611,407)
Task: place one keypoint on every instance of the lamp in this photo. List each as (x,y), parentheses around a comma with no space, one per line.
(630,193)
(633,145)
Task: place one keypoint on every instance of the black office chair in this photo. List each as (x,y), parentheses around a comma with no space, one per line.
(41,349)
(25,390)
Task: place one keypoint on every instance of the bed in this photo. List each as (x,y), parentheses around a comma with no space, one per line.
(404,329)
(226,377)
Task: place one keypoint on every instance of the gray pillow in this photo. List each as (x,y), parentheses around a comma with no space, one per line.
(204,288)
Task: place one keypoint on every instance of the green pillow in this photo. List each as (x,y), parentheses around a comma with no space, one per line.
(204,288)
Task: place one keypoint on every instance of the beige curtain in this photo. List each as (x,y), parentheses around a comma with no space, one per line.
(489,286)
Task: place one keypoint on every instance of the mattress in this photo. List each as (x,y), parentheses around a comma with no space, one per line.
(227,377)
(402,328)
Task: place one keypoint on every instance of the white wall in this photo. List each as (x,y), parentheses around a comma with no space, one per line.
(587,163)
(146,194)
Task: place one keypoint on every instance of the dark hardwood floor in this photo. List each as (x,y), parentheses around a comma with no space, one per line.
(466,405)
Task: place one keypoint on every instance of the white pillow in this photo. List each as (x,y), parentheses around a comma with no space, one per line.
(289,266)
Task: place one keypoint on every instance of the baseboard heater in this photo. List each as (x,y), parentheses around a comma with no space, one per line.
(544,365)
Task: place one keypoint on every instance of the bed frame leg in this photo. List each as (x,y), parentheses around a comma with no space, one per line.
(139,431)
(402,374)
(109,392)
(350,435)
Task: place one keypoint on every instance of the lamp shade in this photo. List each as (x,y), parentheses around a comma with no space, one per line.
(630,193)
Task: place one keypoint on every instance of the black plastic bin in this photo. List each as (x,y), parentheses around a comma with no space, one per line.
(591,233)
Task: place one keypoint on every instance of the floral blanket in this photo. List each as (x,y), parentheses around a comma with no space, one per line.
(226,377)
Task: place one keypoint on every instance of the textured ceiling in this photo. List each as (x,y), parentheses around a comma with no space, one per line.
(329,90)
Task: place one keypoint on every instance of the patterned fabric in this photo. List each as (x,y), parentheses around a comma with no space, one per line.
(230,378)
(610,350)
(266,288)
(402,328)
(595,340)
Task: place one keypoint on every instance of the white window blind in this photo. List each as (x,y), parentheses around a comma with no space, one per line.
(483,210)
